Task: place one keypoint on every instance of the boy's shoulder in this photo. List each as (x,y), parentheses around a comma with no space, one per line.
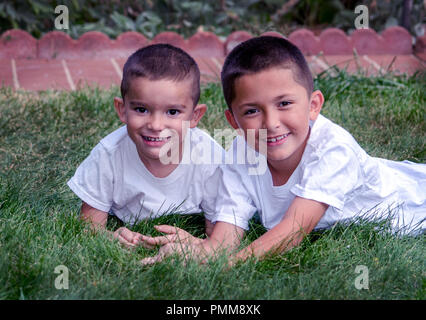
(114,140)
(324,131)
(329,136)
(243,159)
(197,134)
(203,140)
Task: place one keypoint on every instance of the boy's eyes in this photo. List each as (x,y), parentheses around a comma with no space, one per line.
(281,104)
(141,109)
(250,111)
(173,112)
(284,103)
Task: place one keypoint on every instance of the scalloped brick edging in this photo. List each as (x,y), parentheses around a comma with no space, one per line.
(19,44)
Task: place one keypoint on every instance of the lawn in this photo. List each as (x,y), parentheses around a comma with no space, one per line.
(44,136)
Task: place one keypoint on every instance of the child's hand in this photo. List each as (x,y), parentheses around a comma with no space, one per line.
(186,250)
(197,249)
(127,237)
(173,235)
(199,252)
(165,251)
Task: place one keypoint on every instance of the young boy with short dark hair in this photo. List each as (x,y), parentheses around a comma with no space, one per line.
(154,164)
(317,175)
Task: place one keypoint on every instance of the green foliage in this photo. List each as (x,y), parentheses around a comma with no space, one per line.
(383,14)
(185,17)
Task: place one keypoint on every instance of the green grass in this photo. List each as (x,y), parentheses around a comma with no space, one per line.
(44,137)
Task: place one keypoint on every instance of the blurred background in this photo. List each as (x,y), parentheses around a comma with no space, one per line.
(221,17)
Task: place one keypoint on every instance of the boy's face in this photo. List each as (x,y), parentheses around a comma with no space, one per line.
(272,100)
(154,111)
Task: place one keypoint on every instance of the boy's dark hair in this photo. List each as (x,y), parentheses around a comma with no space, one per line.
(261,53)
(161,61)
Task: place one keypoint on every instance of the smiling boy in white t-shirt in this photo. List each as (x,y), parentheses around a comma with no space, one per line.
(155,164)
(317,174)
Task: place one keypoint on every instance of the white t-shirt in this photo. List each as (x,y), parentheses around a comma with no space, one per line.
(334,170)
(113,179)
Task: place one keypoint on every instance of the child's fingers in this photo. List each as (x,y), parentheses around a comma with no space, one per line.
(151,260)
(125,242)
(172,230)
(124,233)
(164,228)
(137,238)
(137,235)
(158,241)
(168,250)
(180,235)
(173,234)
(129,238)
(165,251)
(144,244)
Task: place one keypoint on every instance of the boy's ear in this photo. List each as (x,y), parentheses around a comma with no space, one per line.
(317,100)
(231,120)
(119,108)
(197,114)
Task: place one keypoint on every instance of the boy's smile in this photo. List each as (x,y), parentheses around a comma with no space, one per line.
(271,99)
(275,141)
(154,112)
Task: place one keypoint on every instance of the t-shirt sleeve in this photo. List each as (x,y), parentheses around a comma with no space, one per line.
(93,180)
(329,175)
(234,204)
(208,204)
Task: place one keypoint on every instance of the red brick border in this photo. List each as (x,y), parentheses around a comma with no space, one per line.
(19,44)
(206,44)
(306,41)
(171,38)
(234,39)
(55,45)
(335,42)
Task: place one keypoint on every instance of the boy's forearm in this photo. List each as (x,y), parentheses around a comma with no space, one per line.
(225,236)
(96,218)
(302,216)
(209,227)
(273,241)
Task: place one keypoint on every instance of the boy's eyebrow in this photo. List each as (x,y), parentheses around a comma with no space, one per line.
(283,96)
(136,103)
(278,98)
(169,106)
(248,104)
(180,106)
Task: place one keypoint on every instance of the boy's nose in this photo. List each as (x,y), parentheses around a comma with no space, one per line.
(271,120)
(156,122)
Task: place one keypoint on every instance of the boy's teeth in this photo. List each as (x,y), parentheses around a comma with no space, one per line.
(278,138)
(155,139)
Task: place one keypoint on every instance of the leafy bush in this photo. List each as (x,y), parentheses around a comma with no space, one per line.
(185,17)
